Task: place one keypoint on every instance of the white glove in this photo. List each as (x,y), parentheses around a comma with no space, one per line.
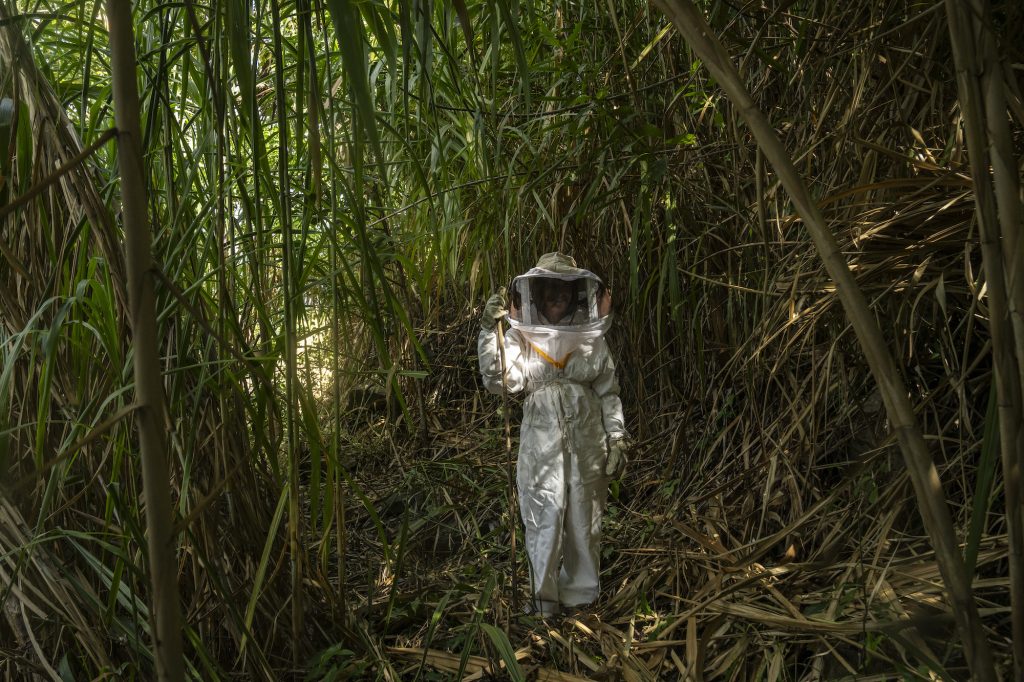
(494,310)
(618,449)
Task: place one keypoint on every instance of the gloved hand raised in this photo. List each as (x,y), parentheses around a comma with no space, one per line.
(495,309)
(618,451)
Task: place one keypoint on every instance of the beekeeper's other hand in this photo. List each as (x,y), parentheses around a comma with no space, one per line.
(618,454)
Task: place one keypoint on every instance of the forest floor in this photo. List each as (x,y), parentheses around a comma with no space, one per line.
(432,588)
(683,595)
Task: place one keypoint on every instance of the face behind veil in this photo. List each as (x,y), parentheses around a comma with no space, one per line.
(556,308)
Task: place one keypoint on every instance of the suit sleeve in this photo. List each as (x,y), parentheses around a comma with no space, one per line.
(606,386)
(490,361)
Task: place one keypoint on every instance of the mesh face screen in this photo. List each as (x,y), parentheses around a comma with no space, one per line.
(573,301)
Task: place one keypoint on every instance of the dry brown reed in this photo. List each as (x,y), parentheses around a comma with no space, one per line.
(766,527)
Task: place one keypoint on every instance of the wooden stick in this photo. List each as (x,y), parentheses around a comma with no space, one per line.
(499,333)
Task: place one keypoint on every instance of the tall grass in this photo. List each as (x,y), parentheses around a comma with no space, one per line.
(334,187)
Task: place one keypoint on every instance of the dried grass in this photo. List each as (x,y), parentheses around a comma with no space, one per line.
(765,528)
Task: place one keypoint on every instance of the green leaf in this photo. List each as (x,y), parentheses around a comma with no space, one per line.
(261,569)
(505,650)
(983,484)
(351,35)
(467,25)
(512,25)
(239,42)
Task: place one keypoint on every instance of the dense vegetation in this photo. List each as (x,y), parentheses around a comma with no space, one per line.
(333,188)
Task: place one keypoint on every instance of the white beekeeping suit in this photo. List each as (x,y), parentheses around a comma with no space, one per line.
(572,419)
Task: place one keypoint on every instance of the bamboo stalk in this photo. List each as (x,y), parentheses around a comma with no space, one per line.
(164,608)
(924,476)
(983,104)
(1004,174)
(288,279)
(336,478)
(223,291)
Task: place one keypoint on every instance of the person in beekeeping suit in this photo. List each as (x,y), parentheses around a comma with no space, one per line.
(573,438)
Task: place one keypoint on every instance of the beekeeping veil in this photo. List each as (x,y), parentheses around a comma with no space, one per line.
(588,315)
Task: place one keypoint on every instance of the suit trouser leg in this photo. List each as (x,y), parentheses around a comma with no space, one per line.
(579,579)
(542,513)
